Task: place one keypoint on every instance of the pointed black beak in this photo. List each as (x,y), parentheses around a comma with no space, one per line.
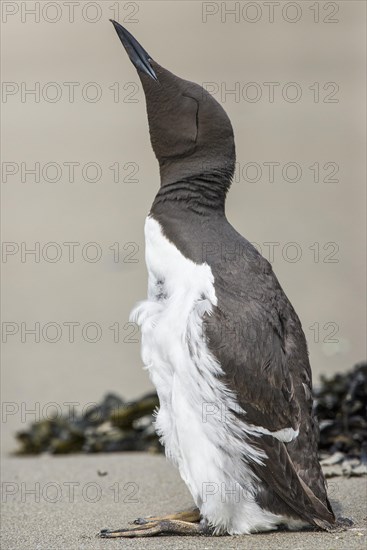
(138,56)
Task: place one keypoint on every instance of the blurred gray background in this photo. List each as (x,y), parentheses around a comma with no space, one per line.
(297,76)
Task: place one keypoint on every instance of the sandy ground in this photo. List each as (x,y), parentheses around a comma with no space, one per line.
(62,502)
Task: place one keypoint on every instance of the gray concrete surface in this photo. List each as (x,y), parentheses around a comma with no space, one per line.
(135,485)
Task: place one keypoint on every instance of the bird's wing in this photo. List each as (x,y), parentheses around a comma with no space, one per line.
(258,341)
(249,339)
(279,474)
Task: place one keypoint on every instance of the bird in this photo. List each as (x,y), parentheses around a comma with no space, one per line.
(221,341)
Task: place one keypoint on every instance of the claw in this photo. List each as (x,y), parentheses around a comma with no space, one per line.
(147,531)
(154,528)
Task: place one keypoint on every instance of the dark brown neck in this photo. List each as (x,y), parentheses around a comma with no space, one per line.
(201,193)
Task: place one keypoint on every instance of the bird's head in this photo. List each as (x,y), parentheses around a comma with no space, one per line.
(190,132)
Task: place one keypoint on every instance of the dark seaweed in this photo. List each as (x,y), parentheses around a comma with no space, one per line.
(340,404)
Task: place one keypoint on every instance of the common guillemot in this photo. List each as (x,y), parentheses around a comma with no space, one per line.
(222,343)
